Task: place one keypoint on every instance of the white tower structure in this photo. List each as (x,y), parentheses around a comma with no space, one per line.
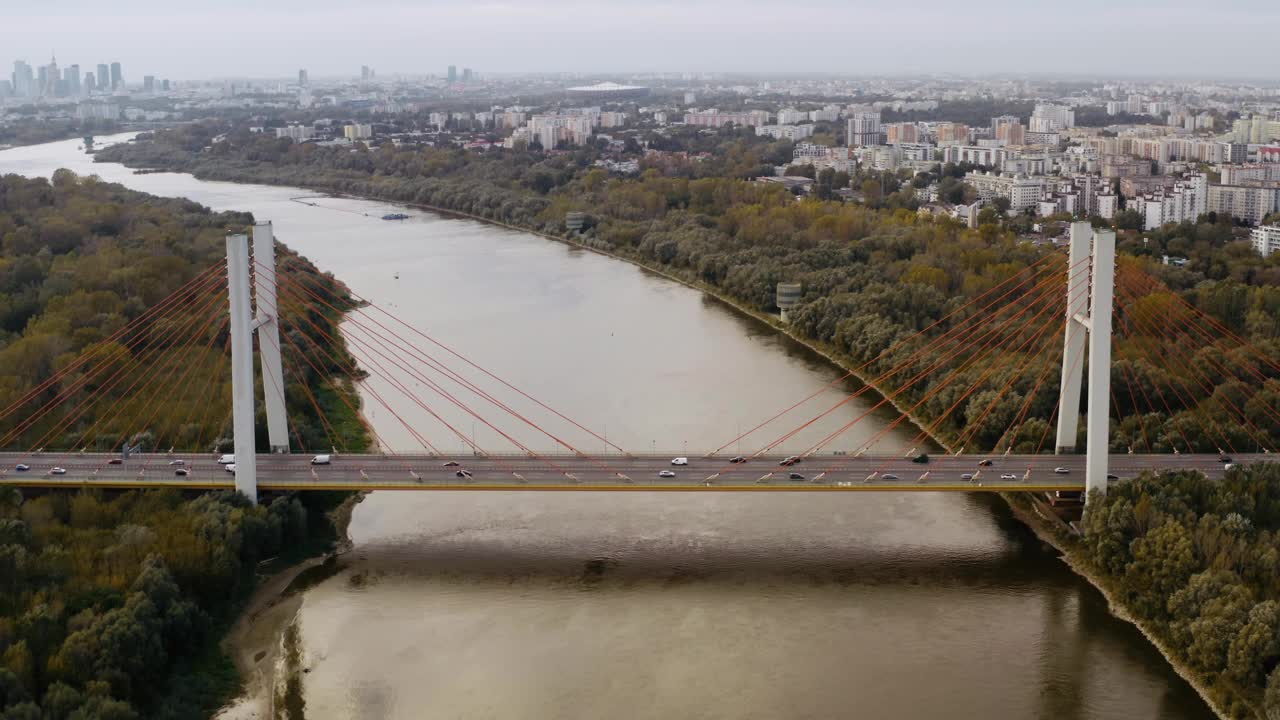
(268,327)
(243,324)
(1094,324)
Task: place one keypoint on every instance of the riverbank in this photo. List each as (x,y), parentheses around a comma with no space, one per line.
(255,642)
(1055,533)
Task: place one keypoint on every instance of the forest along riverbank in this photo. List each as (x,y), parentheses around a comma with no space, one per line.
(705,592)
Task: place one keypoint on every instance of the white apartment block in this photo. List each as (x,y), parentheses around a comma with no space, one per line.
(986,156)
(1244,202)
(863,129)
(790,132)
(716,119)
(792,116)
(1266,239)
(830,113)
(1023,192)
(613,119)
(1187,201)
(296,133)
(357,132)
(1236,174)
(1051,118)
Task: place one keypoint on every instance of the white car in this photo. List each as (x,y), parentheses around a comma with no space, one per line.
(58,471)
(1061,471)
(226,459)
(230,467)
(666,474)
(1008,476)
(680,461)
(178,463)
(322,460)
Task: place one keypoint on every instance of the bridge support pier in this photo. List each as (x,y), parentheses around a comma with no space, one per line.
(242,366)
(267,325)
(1099,246)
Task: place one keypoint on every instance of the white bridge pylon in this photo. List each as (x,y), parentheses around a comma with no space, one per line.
(1093,325)
(250,312)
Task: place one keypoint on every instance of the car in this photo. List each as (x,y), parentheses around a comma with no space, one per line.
(921,458)
(666,474)
(1112,477)
(464,474)
(182,472)
(888,476)
(789,461)
(737,459)
(796,476)
(57,471)
(21,468)
(322,460)
(680,461)
(115,461)
(1061,471)
(1008,476)
(226,459)
(451,463)
(230,467)
(1228,466)
(1224,458)
(178,462)
(967,476)
(986,463)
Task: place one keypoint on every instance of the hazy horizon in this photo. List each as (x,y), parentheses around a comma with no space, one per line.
(330,39)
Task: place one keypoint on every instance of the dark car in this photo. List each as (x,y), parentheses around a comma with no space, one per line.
(737,459)
(788,462)
(181,472)
(986,463)
(451,463)
(465,474)
(888,476)
(796,476)
(115,461)
(1225,459)
(922,458)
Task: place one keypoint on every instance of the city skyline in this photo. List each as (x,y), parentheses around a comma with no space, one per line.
(1143,39)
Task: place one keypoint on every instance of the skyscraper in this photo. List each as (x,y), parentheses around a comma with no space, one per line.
(148,83)
(466,74)
(71,78)
(90,82)
(117,79)
(453,73)
(104,76)
(23,79)
(302,78)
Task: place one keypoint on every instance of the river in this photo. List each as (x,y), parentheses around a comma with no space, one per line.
(635,605)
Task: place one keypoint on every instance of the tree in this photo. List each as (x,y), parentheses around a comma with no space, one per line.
(1001,204)
(1256,648)
(1128,220)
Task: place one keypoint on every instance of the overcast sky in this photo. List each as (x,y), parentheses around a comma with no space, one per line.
(194,39)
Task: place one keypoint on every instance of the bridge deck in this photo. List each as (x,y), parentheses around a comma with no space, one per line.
(1013,473)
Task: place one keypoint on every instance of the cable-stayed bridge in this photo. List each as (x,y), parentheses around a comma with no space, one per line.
(976,382)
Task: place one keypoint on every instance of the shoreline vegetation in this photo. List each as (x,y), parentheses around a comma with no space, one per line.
(113,605)
(1198,556)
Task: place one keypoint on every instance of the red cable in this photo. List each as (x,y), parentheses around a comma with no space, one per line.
(190,285)
(111,355)
(216,298)
(985,340)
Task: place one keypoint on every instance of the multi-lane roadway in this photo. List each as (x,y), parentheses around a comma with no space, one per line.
(570,472)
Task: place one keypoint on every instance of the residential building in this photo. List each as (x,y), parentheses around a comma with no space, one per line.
(97,111)
(984,156)
(864,129)
(1011,133)
(1051,118)
(117,76)
(1266,239)
(1187,201)
(1251,201)
(901,133)
(104,77)
(1235,174)
(303,80)
(1023,192)
(716,119)
(790,132)
(791,116)
(950,133)
(612,119)
(296,133)
(357,132)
